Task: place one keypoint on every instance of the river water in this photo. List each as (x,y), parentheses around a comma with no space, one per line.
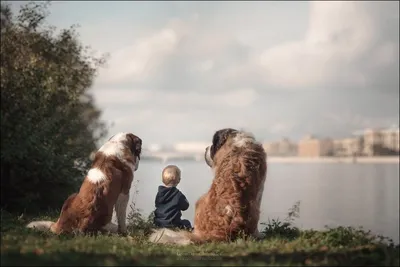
(330,194)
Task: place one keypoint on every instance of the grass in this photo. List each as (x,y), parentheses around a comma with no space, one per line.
(283,245)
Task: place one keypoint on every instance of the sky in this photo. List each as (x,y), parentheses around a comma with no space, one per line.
(179,71)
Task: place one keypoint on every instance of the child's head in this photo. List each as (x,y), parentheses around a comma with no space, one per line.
(171,175)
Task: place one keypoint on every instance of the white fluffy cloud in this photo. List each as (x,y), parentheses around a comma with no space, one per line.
(136,62)
(342,46)
(202,72)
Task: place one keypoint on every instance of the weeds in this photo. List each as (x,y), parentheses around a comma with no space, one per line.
(137,224)
(330,237)
(283,229)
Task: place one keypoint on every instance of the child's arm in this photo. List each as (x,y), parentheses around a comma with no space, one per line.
(183,202)
(156,201)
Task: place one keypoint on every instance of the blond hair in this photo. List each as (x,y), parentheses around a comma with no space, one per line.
(171,175)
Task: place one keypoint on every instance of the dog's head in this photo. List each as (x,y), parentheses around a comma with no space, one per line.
(226,137)
(133,142)
(219,139)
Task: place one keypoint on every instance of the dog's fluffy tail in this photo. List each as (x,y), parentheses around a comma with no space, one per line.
(40,225)
(168,236)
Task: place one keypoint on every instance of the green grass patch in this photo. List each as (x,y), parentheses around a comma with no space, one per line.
(282,245)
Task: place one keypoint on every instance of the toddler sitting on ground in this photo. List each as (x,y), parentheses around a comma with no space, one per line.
(170,201)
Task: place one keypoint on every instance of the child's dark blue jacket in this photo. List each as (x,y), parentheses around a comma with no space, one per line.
(169,204)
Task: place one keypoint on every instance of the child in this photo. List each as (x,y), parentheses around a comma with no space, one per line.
(170,201)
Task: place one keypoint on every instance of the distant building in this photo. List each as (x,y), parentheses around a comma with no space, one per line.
(287,148)
(390,139)
(348,147)
(372,142)
(282,148)
(313,147)
(271,148)
(381,142)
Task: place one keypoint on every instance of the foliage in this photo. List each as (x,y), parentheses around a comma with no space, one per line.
(346,236)
(137,223)
(330,237)
(49,121)
(278,229)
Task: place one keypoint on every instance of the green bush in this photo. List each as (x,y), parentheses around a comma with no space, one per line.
(48,119)
(276,228)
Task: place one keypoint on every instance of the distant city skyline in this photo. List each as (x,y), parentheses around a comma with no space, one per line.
(368,143)
(200,144)
(179,71)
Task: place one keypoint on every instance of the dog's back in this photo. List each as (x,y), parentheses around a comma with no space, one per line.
(107,182)
(231,207)
(92,208)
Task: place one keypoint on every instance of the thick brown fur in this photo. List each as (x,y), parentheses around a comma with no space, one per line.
(91,209)
(231,207)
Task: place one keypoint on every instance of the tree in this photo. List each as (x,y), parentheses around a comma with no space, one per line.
(49,122)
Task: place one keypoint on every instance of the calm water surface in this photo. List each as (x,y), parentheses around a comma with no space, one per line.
(330,194)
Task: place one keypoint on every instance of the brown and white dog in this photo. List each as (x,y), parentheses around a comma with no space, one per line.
(231,206)
(105,187)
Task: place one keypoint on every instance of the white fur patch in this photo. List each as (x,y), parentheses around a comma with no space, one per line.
(130,165)
(96,175)
(40,225)
(228,210)
(136,164)
(113,149)
(111,227)
(120,210)
(114,146)
(119,137)
(168,236)
(242,138)
(208,158)
(260,192)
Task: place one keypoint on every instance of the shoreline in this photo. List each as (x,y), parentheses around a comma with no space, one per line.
(295,159)
(380,160)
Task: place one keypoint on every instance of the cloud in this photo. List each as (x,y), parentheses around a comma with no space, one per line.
(330,73)
(239,98)
(136,62)
(344,46)
(182,57)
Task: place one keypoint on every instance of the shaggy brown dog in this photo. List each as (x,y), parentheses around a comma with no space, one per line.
(106,186)
(232,205)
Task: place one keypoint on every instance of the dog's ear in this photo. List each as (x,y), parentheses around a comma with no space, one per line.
(135,144)
(219,139)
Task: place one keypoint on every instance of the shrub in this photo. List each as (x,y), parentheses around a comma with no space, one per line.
(283,229)
(49,122)
(136,221)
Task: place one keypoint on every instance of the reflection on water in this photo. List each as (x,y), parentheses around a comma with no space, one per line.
(330,194)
